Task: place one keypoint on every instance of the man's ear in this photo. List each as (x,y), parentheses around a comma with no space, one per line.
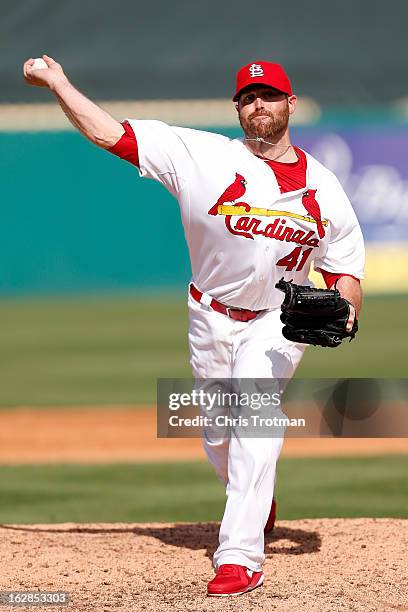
(236,106)
(292,100)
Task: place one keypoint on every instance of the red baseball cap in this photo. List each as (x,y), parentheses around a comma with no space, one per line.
(262,73)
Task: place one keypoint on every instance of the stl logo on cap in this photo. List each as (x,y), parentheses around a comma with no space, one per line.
(256,70)
(262,73)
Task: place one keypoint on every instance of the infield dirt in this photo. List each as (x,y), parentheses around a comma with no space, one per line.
(356,565)
(126,433)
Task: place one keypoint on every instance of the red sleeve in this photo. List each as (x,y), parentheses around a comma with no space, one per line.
(331,277)
(126,147)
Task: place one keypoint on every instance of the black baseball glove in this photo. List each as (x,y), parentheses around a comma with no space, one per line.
(314,316)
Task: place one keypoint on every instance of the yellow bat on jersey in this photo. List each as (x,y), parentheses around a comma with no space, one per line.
(224,209)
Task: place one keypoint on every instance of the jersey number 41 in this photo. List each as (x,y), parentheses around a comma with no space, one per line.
(292,260)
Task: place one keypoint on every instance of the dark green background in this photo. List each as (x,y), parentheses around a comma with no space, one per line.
(340,53)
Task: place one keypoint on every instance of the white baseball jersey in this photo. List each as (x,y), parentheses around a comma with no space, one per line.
(243,235)
(254,234)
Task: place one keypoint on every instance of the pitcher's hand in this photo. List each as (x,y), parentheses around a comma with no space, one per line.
(44,77)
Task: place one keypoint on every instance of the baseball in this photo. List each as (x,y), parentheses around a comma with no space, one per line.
(39,64)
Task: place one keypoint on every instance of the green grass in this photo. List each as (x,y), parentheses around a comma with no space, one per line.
(90,351)
(314,487)
(111,350)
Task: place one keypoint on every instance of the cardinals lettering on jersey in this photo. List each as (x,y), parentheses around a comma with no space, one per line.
(248,227)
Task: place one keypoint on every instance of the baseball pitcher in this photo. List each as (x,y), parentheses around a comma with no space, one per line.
(256,211)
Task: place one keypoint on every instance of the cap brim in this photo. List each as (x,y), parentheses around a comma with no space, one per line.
(250,85)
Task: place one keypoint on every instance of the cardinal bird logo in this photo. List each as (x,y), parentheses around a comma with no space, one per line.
(310,203)
(233,192)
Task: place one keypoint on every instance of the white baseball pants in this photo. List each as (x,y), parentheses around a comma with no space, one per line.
(223,348)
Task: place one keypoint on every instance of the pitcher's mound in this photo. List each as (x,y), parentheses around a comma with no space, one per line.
(326,565)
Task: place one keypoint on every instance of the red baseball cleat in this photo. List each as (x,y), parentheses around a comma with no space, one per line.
(234,580)
(270,523)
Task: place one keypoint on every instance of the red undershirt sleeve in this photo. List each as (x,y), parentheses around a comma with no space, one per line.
(126,147)
(331,277)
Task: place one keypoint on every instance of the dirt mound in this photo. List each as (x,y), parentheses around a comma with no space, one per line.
(311,565)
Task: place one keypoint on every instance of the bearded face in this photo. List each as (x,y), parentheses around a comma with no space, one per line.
(264,122)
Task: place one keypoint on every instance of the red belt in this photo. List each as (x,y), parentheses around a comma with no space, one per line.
(238,314)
